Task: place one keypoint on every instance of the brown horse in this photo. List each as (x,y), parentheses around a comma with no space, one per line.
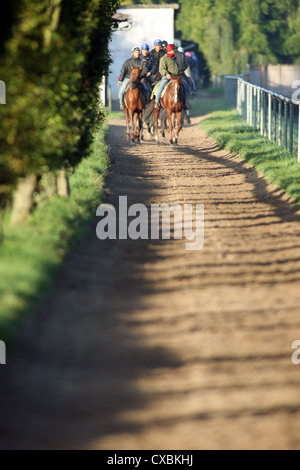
(172,101)
(135,101)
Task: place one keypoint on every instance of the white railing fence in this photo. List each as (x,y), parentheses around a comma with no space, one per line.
(275,116)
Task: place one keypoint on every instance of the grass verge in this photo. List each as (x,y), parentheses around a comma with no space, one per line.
(205,105)
(274,162)
(32,253)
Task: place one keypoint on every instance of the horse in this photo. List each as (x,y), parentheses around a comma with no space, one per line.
(135,101)
(148,119)
(172,101)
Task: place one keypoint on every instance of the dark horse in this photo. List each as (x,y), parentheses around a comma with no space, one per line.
(135,101)
(173,102)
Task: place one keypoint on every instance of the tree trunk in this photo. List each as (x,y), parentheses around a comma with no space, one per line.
(62,183)
(23,199)
(53,14)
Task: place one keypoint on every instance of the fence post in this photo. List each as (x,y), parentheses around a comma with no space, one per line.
(265,115)
(274,118)
(254,97)
(285,118)
(291,128)
(279,122)
(269,116)
(239,103)
(244,102)
(248,104)
(262,122)
(299,133)
(251,106)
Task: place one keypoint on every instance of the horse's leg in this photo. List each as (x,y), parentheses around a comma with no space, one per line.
(163,122)
(140,121)
(179,121)
(169,116)
(174,125)
(152,124)
(156,113)
(127,124)
(132,127)
(137,126)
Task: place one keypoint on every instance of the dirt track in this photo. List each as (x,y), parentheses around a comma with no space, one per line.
(144,345)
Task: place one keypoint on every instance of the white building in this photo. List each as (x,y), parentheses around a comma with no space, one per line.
(141,24)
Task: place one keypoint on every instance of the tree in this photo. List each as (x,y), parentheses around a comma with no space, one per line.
(233,33)
(54,55)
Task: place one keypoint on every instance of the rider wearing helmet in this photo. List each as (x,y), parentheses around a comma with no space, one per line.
(164,46)
(185,70)
(124,79)
(167,67)
(189,73)
(157,52)
(150,62)
(181,60)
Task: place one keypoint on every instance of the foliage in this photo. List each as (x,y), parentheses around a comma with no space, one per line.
(236,32)
(54,55)
(27,272)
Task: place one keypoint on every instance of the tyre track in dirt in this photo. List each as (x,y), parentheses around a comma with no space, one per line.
(144,345)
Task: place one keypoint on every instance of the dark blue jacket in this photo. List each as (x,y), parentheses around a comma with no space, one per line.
(151,64)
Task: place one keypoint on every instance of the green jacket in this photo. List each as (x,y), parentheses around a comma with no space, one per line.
(168,65)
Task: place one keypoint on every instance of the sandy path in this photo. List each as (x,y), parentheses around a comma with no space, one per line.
(144,345)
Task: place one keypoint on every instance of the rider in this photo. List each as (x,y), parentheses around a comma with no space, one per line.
(184,68)
(164,46)
(157,52)
(181,60)
(134,62)
(167,67)
(150,62)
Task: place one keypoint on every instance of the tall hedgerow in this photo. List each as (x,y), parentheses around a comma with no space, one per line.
(53,54)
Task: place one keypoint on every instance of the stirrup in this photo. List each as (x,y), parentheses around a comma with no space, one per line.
(156,105)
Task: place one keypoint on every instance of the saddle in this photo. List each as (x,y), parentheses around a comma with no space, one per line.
(173,77)
(156,86)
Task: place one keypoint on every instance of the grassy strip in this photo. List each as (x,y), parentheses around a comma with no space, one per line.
(233,133)
(205,105)
(32,253)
